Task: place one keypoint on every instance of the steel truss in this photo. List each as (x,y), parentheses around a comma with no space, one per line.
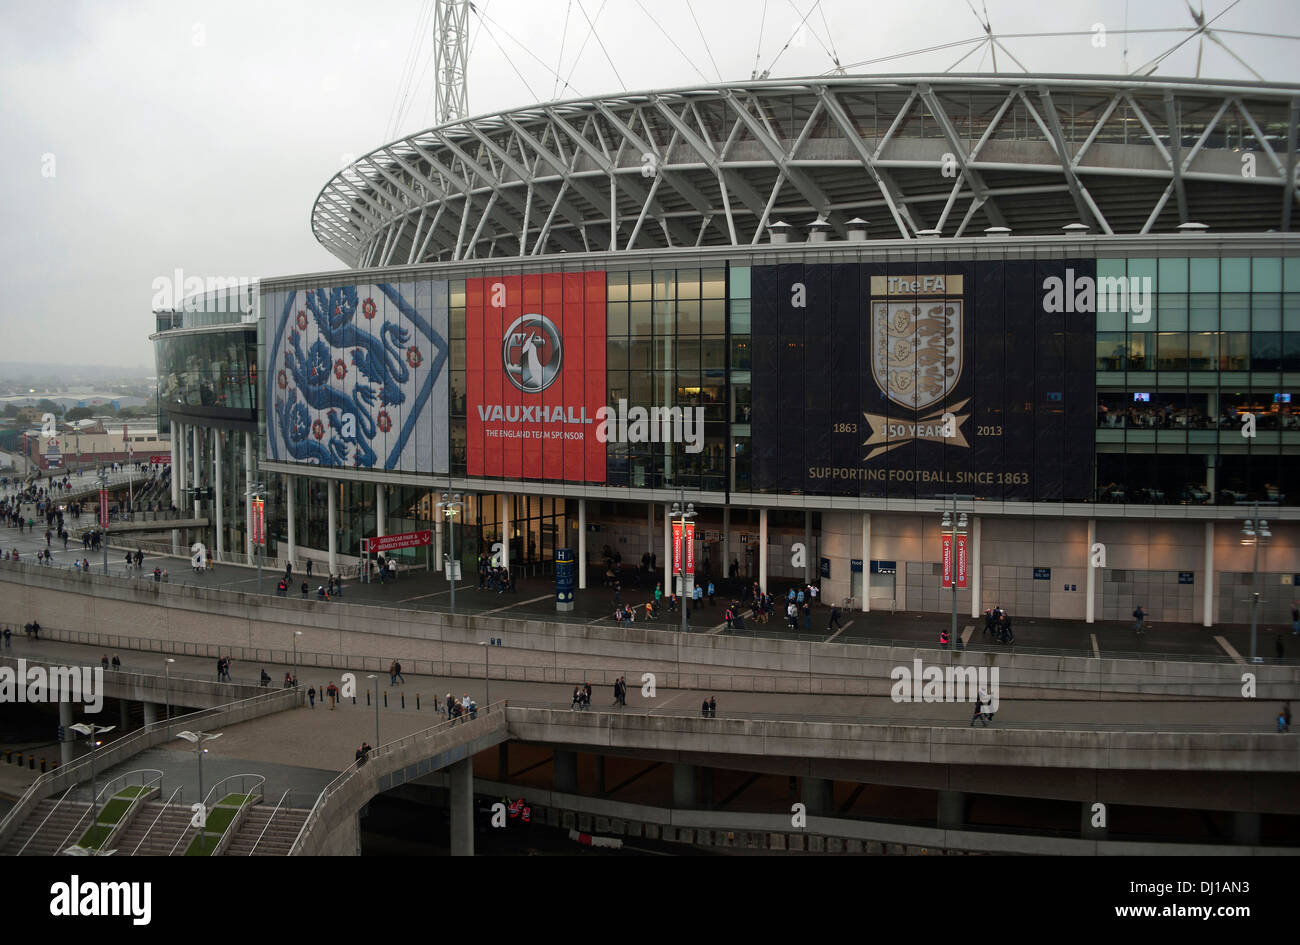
(716,166)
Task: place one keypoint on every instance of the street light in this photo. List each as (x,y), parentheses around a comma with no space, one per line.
(685,511)
(376,679)
(452,502)
(198,738)
(487,653)
(167,672)
(1254,533)
(954,522)
(103,512)
(257,492)
(296,635)
(91,731)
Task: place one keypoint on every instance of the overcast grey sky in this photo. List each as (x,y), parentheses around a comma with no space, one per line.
(196,135)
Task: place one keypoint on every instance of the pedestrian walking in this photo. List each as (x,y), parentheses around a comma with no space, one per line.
(834,622)
(1139,617)
(309,567)
(311,696)
(333,692)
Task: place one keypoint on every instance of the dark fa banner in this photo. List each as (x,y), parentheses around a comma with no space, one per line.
(909,381)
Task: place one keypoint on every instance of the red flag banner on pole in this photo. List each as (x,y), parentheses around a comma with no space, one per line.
(103,507)
(690,547)
(961,561)
(947,561)
(259,522)
(677,547)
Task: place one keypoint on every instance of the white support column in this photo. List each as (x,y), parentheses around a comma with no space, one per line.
(248,500)
(332,488)
(176,485)
(439,553)
(1207,605)
(179,453)
(217,496)
(668,549)
(1090,585)
(381,509)
(866,562)
(197,462)
(807,547)
(762,550)
(582,544)
(975,568)
(503,501)
(649,527)
(289,502)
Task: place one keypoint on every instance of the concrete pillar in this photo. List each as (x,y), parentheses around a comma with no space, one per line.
(649,527)
(461,782)
(600,774)
(503,761)
(762,550)
(582,544)
(176,484)
(68,747)
(976,568)
(289,503)
(816,795)
(438,551)
(503,501)
(1245,827)
(807,547)
(668,550)
(248,500)
(381,509)
(1090,585)
(331,488)
(566,772)
(684,786)
(866,562)
(218,495)
(952,809)
(150,712)
(726,540)
(197,463)
(1086,828)
(124,716)
(1208,614)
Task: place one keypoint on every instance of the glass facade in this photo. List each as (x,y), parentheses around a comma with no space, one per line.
(208,369)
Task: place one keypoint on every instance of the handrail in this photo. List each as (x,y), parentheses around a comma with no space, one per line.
(154,732)
(166,804)
(216,790)
(341,780)
(269,820)
(42,824)
(95,801)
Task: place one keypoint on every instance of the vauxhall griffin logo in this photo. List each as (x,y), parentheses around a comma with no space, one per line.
(531,352)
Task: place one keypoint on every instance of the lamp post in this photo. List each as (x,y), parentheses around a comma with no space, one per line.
(167,674)
(257,492)
(1253,533)
(103,512)
(296,635)
(376,679)
(198,738)
(954,523)
(487,654)
(452,502)
(685,511)
(92,732)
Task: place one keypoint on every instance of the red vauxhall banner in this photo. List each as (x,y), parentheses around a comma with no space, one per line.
(947,561)
(535,376)
(404,540)
(103,507)
(164,459)
(677,547)
(259,522)
(961,561)
(690,547)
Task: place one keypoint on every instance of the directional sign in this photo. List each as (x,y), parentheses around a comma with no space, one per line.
(394,542)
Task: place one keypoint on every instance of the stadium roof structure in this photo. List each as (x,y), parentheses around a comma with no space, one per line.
(914,154)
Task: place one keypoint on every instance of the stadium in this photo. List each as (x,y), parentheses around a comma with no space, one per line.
(1040,331)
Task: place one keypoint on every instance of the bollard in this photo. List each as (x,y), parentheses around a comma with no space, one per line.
(31,762)
(42,766)
(354,698)
(403,699)
(417,702)
(385,700)
(367,697)
(9,756)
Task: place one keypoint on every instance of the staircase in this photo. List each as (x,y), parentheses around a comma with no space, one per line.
(161,839)
(53,832)
(278,838)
